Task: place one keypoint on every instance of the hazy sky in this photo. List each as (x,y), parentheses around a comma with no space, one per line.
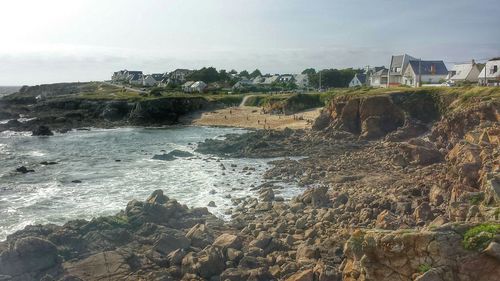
(80,40)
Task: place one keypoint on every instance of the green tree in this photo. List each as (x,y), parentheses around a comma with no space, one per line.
(255,73)
(206,74)
(244,73)
(233,72)
(309,71)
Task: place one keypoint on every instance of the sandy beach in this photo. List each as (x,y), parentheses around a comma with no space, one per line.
(252,117)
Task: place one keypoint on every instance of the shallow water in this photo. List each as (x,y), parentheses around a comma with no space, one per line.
(49,196)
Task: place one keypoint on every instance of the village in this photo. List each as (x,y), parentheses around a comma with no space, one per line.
(404,70)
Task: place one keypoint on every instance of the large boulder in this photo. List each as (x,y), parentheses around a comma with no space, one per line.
(28,255)
(206,263)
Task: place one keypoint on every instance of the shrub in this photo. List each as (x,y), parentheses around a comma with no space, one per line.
(423,268)
(477,238)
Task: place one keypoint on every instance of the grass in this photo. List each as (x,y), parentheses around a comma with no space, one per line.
(478,237)
(423,268)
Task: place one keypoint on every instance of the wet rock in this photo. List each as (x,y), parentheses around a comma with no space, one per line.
(24,170)
(225,241)
(42,131)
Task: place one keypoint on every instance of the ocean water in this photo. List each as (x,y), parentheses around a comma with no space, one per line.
(49,194)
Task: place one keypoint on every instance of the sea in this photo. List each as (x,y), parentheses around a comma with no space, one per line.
(98,171)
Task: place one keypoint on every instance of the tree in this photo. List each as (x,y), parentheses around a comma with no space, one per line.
(244,73)
(309,71)
(223,75)
(333,78)
(206,74)
(255,73)
(233,72)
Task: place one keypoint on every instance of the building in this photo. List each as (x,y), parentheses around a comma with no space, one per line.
(358,80)
(198,86)
(397,68)
(301,80)
(378,79)
(242,84)
(134,77)
(419,72)
(180,75)
(490,75)
(466,72)
(271,80)
(186,87)
(285,78)
(152,79)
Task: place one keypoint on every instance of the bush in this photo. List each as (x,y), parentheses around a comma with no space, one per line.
(477,238)
(423,268)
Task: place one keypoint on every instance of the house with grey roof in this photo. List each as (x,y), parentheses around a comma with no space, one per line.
(378,78)
(271,80)
(490,75)
(420,72)
(134,77)
(198,86)
(186,87)
(465,72)
(301,80)
(180,75)
(397,68)
(358,80)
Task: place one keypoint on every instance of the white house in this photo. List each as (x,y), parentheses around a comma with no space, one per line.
(490,75)
(378,78)
(152,79)
(301,80)
(285,78)
(397,68)
(466,72)
(358,80)
(198,86)
(186,87)
(270,80)
(135,77)
(427,72)
(242,84)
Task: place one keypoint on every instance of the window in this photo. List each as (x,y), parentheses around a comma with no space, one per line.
(495,68)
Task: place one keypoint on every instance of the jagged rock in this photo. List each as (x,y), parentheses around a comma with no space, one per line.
(225,241)
(24,170)
(111,265)
(423,213)
(171,240)
(493,250)
(306,275)
(200,236)
(42,131)
(316,197)
(206,263)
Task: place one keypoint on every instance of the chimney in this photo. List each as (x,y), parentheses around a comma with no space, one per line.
(473,62)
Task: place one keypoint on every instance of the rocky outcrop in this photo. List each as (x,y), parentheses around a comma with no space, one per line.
(417,255)
(42,131)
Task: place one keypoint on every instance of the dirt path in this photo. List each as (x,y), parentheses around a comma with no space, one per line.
(252,117)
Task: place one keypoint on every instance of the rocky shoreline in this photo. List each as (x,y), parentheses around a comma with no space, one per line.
(398,187)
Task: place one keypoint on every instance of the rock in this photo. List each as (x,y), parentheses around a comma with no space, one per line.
(493,250)
(421,152)
(24,170)
(387,220)
(211,204)
(42,131)
(225,241)
(423,213)
(306,275)
(307,254)
(267,195)
(206,263)
(170,241)
(200,236)
(28,255)
(110,265)
(316,197)
(164,157)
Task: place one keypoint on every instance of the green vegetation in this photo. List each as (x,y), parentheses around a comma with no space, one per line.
(476,199)
(423,268)
(477,238)
(331,78)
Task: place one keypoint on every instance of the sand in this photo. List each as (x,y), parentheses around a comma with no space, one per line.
(252,117)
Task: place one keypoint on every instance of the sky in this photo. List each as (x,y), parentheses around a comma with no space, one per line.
(86,40)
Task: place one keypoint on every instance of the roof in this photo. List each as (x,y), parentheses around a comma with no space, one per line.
(382,72)
(461,71)
(135,76)
(157,76)
(361,78)
(188,84)
(270,80)
(198,84)
(429,67)
(400,61)
(489,68)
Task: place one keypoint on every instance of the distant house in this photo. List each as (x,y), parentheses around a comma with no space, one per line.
(397,68)
(427,72)
(258,80)
(186,87)
(490,75)
(134,77)
(180,75)
(466,72)
(270,80)
(358,80)
(285,78)
(242,84)
(198,86)
(301,80)
(378,78)
(152,79)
